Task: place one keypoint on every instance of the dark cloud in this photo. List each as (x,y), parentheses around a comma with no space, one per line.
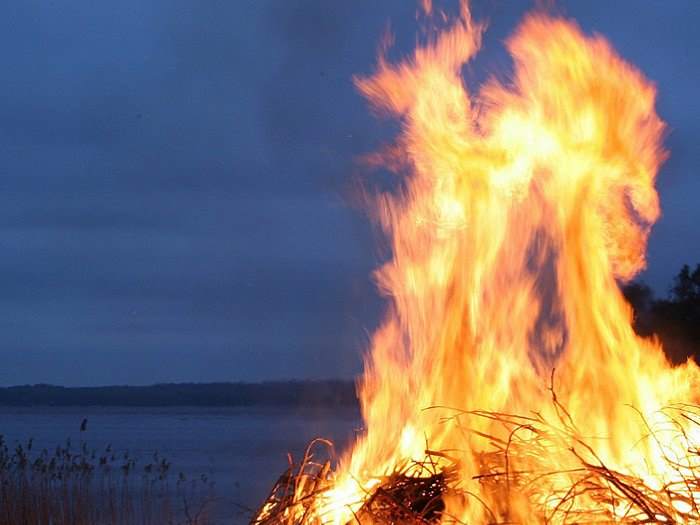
(175,178)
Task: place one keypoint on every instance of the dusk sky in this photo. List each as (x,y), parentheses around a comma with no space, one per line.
(177,178)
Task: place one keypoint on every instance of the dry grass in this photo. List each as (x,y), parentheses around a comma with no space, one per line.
(78,486)
(412,495)
(299,485)
(565,481)
(588,490)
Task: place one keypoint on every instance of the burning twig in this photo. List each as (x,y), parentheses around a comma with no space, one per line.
(587,491)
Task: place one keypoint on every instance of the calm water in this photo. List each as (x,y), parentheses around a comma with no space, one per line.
(242,451)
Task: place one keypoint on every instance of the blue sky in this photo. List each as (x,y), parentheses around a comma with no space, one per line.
(178,176)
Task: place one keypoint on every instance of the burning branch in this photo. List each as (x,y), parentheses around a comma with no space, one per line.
(587,491)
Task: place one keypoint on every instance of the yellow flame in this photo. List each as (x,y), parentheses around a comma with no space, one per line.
(522,206)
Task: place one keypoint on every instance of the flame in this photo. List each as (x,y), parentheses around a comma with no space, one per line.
(521,207)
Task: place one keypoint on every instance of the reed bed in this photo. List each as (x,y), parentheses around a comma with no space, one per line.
(76,485)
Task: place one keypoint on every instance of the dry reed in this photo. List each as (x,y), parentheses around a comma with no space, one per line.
(78,486)
(592,492)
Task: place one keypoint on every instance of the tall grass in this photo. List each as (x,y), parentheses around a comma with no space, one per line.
(75,485)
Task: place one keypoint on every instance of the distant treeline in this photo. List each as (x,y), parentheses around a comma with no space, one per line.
(269,394)
(675,319)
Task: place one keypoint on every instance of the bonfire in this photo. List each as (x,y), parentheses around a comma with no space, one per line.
(506,383)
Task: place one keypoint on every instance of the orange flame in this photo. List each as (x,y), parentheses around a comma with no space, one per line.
(521,208)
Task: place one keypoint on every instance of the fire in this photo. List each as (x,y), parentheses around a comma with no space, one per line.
(521,207)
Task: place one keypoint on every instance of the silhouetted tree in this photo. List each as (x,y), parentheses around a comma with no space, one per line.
(676,319)
(686,286)
(641,297)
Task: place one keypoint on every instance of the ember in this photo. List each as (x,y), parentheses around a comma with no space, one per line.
(522,207)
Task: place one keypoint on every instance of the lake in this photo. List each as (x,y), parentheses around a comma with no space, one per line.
(243,451)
